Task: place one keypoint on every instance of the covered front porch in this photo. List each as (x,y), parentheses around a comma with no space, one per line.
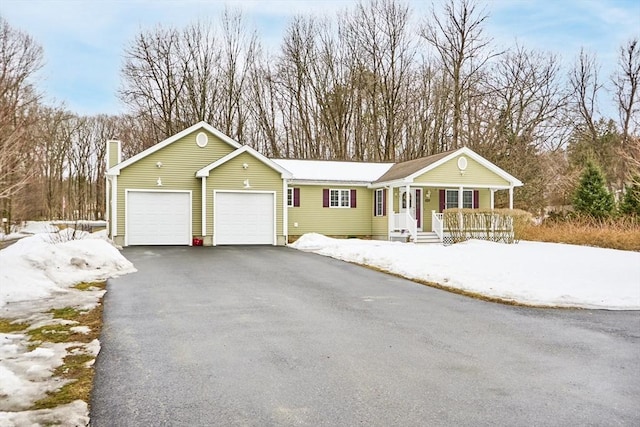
(416,211)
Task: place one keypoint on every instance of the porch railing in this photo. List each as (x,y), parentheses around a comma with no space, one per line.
(437,224)
(404,221)
(485,226)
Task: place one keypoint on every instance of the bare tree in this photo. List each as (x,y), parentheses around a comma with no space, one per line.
(20,59)
(584,82)
(379,39)
(627,86)
(154,80)
(462,49)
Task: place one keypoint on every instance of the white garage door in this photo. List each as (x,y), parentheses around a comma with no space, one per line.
(244,218)
(158,218)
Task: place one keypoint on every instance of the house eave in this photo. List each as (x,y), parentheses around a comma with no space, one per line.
(294,181)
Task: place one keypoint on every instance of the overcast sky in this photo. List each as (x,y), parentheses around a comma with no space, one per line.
(83,40)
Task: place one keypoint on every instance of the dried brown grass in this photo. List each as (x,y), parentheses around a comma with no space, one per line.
(619,233)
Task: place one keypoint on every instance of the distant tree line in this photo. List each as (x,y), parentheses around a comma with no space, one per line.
(373,83)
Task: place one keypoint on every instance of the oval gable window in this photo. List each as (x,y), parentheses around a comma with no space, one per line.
(462,163)
(202,139)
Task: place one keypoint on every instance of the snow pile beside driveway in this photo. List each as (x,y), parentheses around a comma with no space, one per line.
(33,268)
(531,273)
(37,274)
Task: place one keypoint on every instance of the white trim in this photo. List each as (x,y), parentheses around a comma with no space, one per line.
(141,190)
(292,196)
(513,181)
(326,183)
(390,211)
(348,190)
(492,191)
(204,206)
(457,184)
(245,149)
(202,139)
(202,125)
(107,201)
(285,214)
(114,206)
(375,201)
(460,191)
(511,197)
(478,158)
(275,221)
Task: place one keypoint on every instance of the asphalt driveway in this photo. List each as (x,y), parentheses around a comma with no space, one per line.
(268,336)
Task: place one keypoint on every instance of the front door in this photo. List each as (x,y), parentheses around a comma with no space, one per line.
(414,204)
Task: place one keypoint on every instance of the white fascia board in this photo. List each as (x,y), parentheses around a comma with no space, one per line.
(475,156)
(329,182)
(392,184)
(202,125)
(450,185)
(204,172)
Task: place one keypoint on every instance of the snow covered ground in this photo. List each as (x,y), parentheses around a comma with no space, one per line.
(532,273)
(36,275)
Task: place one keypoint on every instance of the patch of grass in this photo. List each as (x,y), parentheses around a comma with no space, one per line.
(622,233)
(75,368)
(8,326)
(83,286)
(67,313)
(63,333)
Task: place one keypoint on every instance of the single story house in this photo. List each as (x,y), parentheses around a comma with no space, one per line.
(202,184)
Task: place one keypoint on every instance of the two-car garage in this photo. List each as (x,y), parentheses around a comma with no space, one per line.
(164,217)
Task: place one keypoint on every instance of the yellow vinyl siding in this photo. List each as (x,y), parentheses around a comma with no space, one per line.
(231,176)
(475,175)
(380,226)
(180,161)
(113,153)
(311,217)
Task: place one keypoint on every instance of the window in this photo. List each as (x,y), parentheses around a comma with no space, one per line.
(293,197)
(339,198)
(452,199)
(380,203)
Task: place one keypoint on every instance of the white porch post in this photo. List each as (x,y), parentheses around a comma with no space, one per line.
(511,197)
(492,202)
(204,206)
(390,212)
(460,197)
(285,211)
(407,196)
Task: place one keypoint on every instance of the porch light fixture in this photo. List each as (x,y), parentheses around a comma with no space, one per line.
(246,183)
(159,182)
(427,195)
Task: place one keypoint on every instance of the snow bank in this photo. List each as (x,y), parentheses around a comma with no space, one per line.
(34,268)
(534,273)
(37,274)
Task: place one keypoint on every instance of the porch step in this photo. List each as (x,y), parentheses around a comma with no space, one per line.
(427,237)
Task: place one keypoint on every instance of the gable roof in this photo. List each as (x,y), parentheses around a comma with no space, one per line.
(204,172)
(404,169)
(115,170)
(411,169)
(329,170)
